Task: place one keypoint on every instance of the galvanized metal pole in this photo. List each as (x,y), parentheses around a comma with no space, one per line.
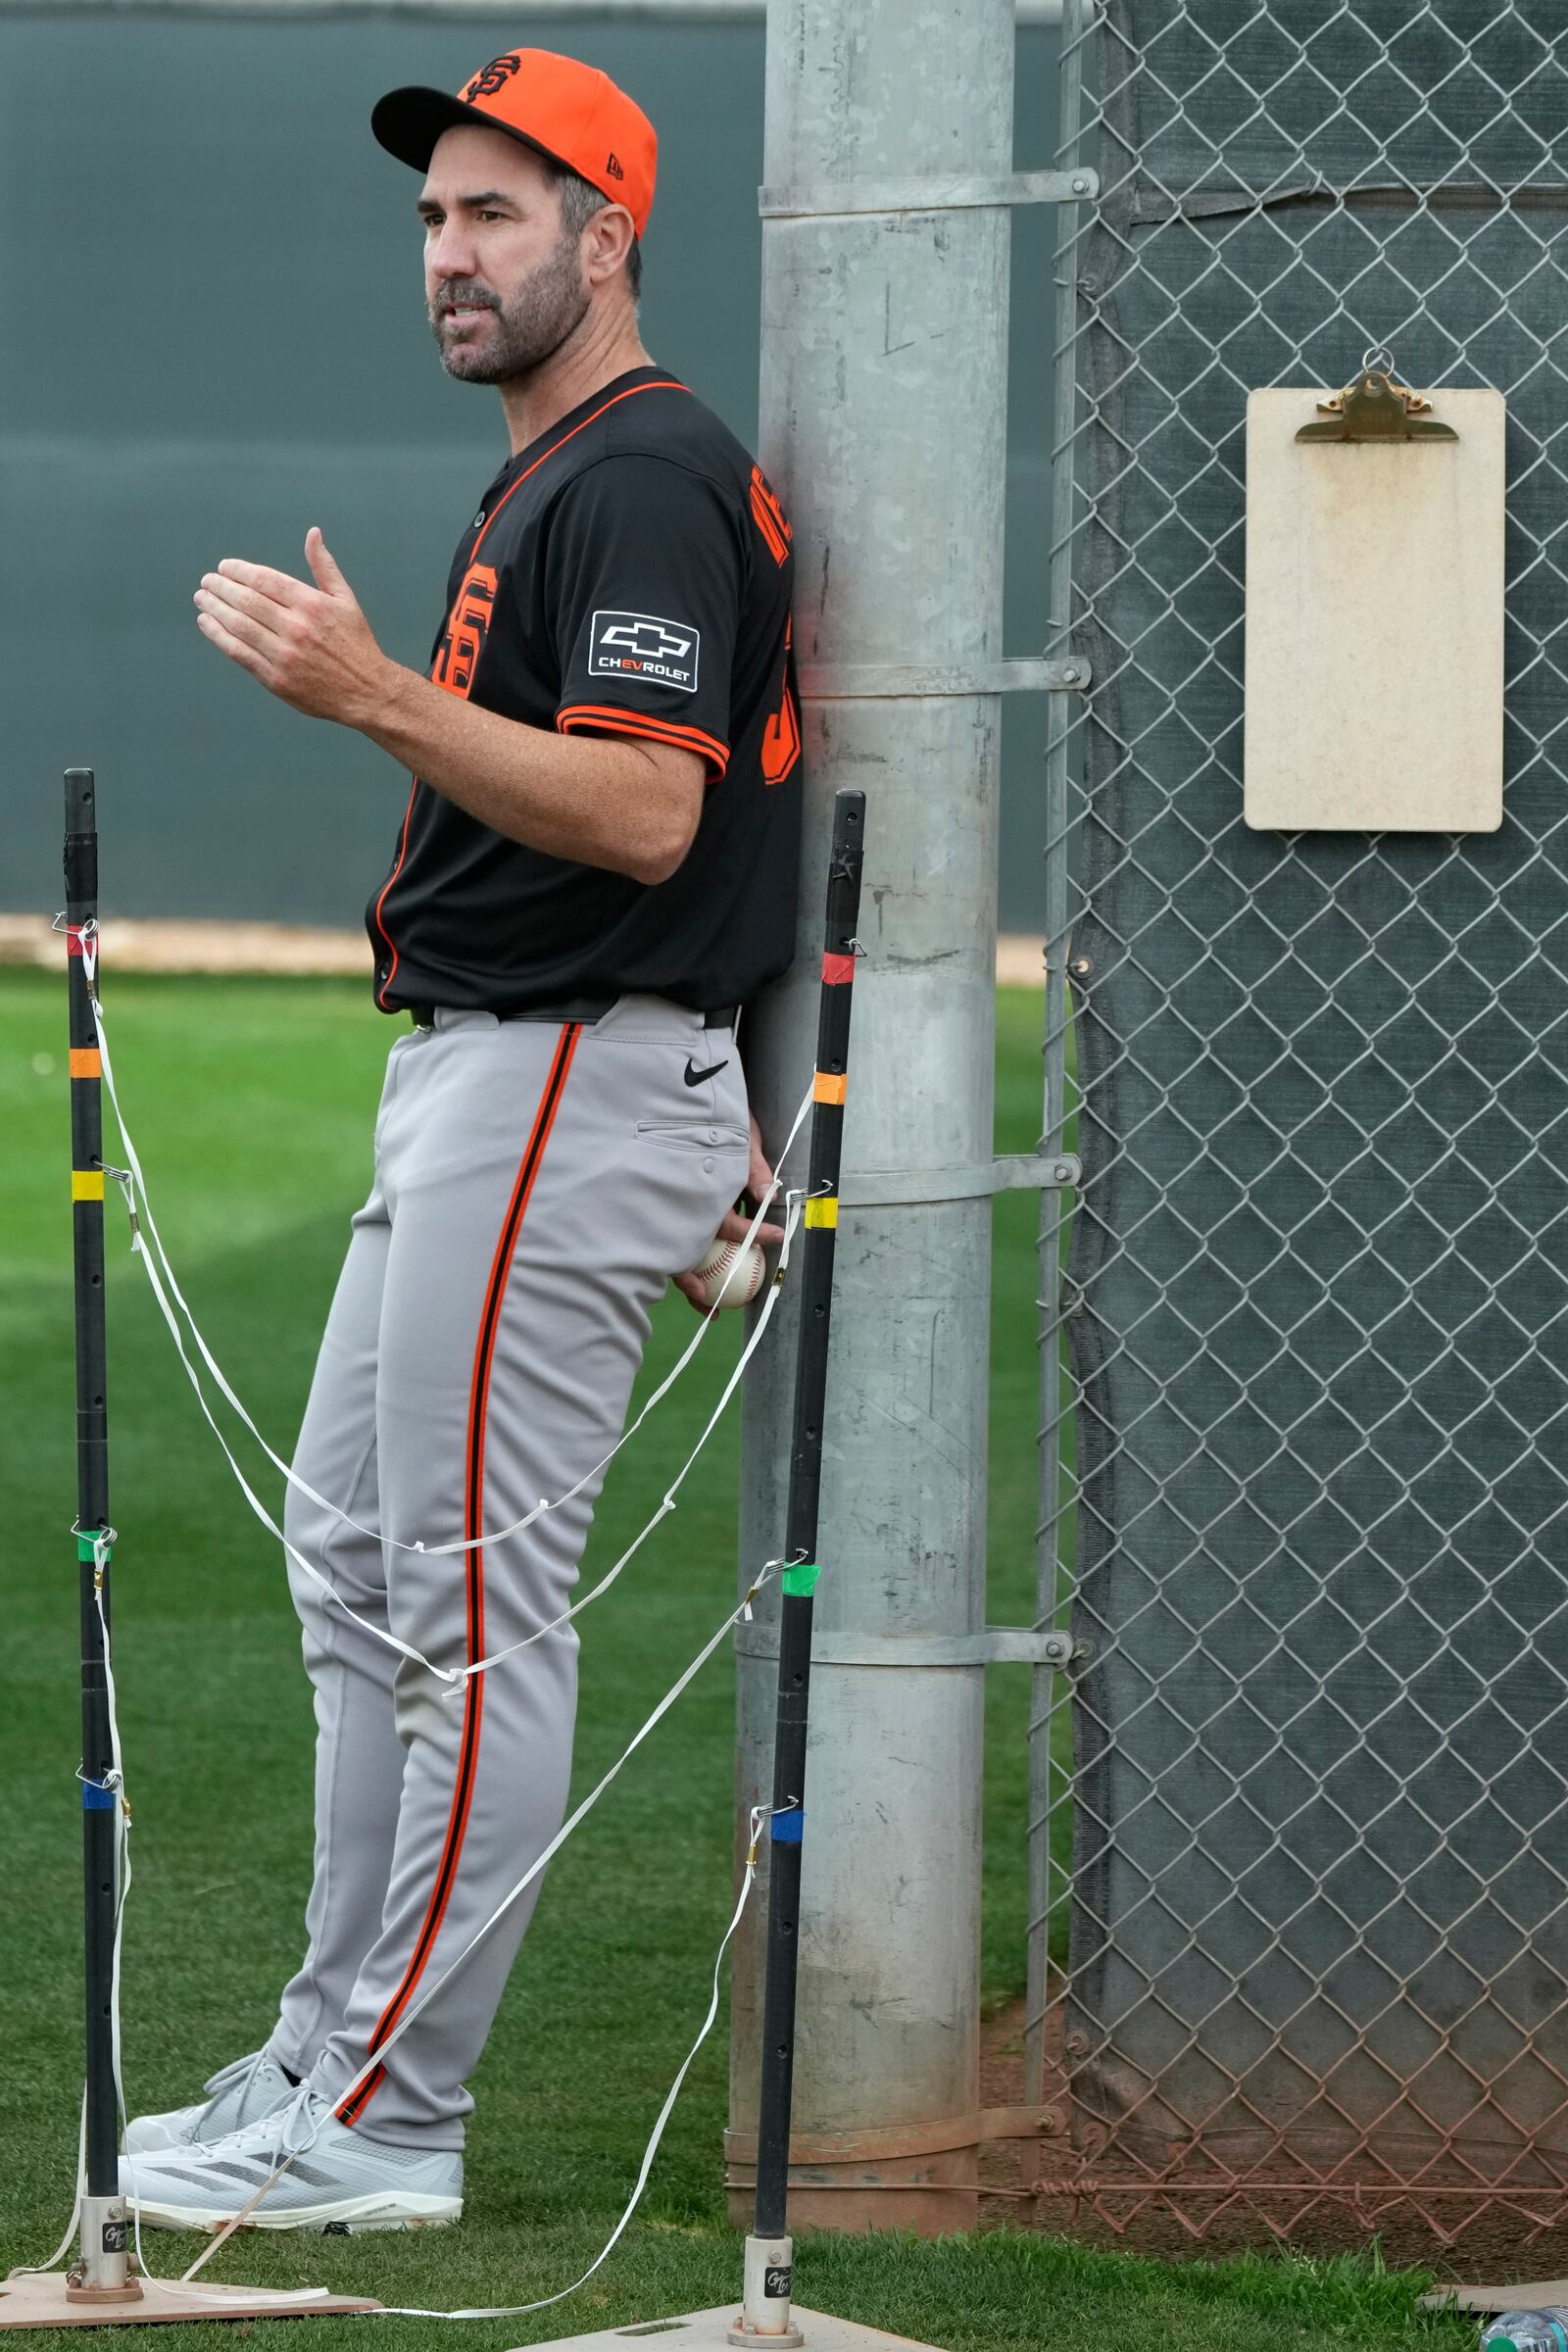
(883,426)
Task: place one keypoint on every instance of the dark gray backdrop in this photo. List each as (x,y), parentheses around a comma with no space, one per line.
(214,337)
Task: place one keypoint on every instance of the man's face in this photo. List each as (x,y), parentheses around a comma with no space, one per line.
(502,287)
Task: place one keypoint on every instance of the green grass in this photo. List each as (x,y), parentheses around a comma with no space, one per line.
(252,1102)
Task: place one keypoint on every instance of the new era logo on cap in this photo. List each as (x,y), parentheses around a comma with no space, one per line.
(640,645)
(613,167)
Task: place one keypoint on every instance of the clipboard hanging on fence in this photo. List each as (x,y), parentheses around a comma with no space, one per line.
(1374,608)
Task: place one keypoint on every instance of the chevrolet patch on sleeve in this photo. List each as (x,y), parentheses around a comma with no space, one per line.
(639,644)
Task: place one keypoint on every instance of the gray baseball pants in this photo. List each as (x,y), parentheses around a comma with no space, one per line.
(535,1185)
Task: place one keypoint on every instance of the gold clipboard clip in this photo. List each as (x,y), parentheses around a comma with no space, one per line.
(1376,409)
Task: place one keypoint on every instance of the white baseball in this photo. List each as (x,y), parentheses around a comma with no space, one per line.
(731,1274)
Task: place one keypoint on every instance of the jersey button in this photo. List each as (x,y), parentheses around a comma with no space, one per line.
(708,1167)
(712,1134)
(478,520)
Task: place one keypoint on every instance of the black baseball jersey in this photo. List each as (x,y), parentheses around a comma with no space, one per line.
(627,573)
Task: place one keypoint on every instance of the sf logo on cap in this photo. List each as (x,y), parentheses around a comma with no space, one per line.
(494,78)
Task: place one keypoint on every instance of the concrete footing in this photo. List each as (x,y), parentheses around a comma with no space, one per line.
(710,2331)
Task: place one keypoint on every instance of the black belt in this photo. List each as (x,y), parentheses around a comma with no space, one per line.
(586,1009)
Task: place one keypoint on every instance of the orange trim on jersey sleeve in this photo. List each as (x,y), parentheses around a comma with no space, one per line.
(592,719)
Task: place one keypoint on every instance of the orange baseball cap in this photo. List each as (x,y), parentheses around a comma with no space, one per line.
(558,105)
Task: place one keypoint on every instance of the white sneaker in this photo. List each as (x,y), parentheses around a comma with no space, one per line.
(336,2180)
(236,2095)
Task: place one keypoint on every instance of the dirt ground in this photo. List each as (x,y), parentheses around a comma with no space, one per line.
(1007,2166)
(1478,2234)
(131,944)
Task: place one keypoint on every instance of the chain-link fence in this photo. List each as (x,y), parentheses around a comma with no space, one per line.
(1300,1953)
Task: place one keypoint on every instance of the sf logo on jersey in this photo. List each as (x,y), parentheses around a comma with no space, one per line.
(640,645)
(457,655)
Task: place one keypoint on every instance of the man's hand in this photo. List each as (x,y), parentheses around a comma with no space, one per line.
(632,808)
(732,1228)
(311,646)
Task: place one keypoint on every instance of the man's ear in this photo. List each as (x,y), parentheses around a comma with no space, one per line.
(610,234)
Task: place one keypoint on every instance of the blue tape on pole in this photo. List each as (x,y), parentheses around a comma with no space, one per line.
(96,1798)
(789,1828)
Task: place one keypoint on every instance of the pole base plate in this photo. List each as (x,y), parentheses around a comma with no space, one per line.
(130,2292)
(46,2299)
(714,2331)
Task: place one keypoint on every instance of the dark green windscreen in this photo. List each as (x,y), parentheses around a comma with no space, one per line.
(215,337)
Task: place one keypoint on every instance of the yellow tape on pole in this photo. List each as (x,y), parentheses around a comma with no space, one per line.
(824,1210)
(86,1184)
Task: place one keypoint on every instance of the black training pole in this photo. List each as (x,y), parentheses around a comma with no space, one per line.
(769,2284)
(102,2269)
(102,2274)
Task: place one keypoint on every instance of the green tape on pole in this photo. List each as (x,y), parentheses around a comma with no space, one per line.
(801,1579)
(85,1548)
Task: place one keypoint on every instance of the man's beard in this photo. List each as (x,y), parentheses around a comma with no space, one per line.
(543,312)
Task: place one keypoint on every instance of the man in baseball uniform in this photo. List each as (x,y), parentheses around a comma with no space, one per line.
(595,868)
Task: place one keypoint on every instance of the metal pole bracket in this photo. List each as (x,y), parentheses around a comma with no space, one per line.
(967,191)
(991,1645)
(874,681)
(907,1188)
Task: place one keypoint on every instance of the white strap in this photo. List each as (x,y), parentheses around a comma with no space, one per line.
(33,2270)
(159,1269)
(159,1272)
(303,1486)
(516,2311)
(483,1665)
(675,1690)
